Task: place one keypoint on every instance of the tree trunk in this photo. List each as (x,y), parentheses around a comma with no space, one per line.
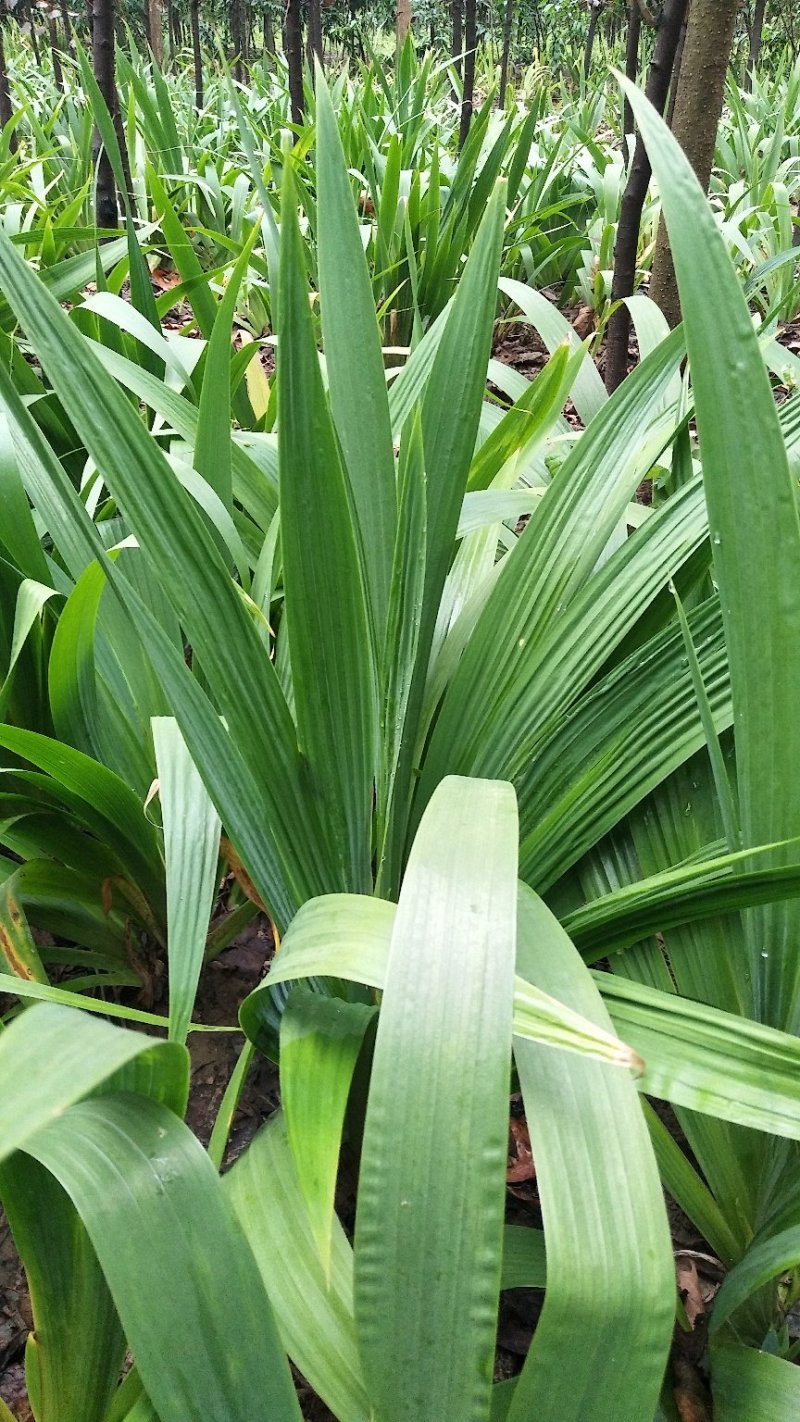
(6,107)
(402,22)
(239,37)
(755,41)
(676,71)
(698,107)
(470,42)
(37,54)
(197,52)
(632,60)
(293,44)
(156,37)
(67,23)
(269,32)
(595,10)
(630,217)
(456,15)
(103,55)
(508,26)
(58,75)
(315,31)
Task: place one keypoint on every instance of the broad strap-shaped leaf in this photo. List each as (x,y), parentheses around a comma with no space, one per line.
(75,1353)
(89,1055)
(191,850)
(330,645)
(141,1182)
(708,1060)
(347,936)
(400,657)
(425,1290)
(320,1041)
(212,455)
(359,401)
(768,1257)
(172,535)
(528,610)
(313,1308)
(685,895)
(609,1260)
(755,533)
(749,1386)
(19,956)
(101,798)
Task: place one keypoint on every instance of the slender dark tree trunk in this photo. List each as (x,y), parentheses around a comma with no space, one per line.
(632,59)
(698,105)
(6,107)
(37,53)
(148,32)
(58,75)
(104,72)
(67,23)
(315,31)
(293,44)
(269,32)
(595,11)
(172,27)
(197,52)
(402,22)
(156,34)
(457,17)
(755,41)
(470,42)
(508,26)
(630,217)
(676,71)
(239,37)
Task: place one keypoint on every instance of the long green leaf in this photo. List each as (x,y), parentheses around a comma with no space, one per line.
(426,1293)
(609,1259)
(755,532)
(359,402)
(191,851)
(333,675)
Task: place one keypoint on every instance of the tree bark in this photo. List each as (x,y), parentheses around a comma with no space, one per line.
(6,106)
(107,213)
(269,32)
(595,11)
(197,53)
(315,31)
(456,15)
(67,23)
(470,42)
(676,71)
(37,54)
(508,26)
(755,41)
(239,37)
(402,22)
(293,44)
(657,91)
(698,107)
(632,60)
(156,37)
(58,75)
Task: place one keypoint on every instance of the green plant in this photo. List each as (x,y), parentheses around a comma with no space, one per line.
(337,642)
